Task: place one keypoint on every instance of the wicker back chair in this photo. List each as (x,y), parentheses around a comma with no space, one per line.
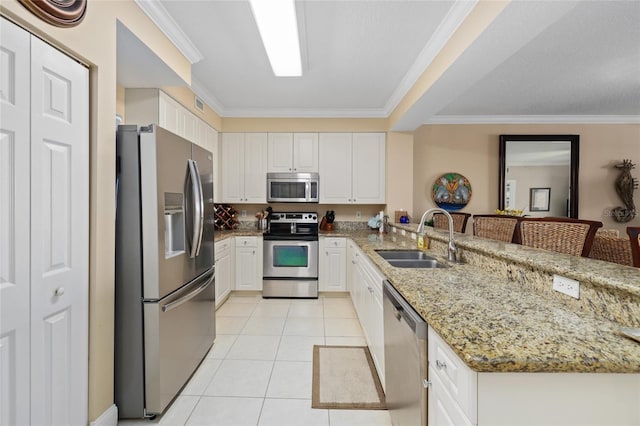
(608,232)
(495,227)
(459,221)
(560,234)
(611,249)
(634,237)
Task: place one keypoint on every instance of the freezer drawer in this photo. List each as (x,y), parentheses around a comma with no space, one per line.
(178,331)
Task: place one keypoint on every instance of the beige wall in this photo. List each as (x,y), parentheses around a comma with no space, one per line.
(472,150)
(399,172)
(94,43)
(186,97)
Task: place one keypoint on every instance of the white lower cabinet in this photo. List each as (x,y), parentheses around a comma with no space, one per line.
(248,264)
(461,396)
(332,263)
(225,269)
(366,293)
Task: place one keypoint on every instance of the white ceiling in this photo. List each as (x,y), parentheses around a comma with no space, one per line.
(538,61)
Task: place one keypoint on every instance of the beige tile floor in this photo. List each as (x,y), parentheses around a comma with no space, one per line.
(259,369)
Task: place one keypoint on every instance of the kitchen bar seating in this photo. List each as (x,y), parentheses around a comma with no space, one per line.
(563,235)
(634,237)
(611,248)
(459,221)
(495,227)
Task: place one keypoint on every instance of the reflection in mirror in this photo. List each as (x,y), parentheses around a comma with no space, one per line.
(539,174)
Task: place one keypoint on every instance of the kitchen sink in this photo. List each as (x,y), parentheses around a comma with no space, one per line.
(410,259)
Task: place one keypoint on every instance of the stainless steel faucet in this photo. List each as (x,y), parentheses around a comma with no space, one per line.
(452,249)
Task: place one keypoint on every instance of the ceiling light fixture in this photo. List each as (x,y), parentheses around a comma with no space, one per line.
(278,26)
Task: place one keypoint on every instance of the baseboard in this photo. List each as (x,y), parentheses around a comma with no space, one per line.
(108,418)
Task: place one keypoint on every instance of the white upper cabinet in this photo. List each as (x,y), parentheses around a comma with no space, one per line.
(244,168)
(368,168)
(335,168)
(146,106)
(293,152)
(352,168)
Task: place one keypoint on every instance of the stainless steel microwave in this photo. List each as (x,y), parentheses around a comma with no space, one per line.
(292,187)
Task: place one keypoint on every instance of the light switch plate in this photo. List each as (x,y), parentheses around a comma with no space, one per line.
(566,286)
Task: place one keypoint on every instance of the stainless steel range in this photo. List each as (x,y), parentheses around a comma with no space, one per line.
(291,256)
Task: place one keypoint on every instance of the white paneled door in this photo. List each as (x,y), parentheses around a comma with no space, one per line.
(14,224)
(45,205)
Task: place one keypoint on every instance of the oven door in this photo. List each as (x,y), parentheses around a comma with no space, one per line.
(290,259)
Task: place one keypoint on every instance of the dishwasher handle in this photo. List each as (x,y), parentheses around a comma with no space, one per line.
(402,310)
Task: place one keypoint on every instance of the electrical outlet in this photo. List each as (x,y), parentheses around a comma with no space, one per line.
(358,214)
(243,213)
(566,286)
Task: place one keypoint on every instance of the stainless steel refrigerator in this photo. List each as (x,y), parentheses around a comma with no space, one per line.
(165,296)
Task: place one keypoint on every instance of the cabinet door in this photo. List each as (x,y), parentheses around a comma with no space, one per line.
(255,168)
(443,411)
(170,114)
(333,264)
(59,236)
(14,224)
(190,126)
(305,152)
(246,267)
(369,168)
(223,274)
(335,168)
(280,153)
(233,167)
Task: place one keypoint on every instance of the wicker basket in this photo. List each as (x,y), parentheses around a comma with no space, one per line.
(611,249)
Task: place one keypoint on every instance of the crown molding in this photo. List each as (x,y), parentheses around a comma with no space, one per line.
(534,119)
(159,15)
(451,22)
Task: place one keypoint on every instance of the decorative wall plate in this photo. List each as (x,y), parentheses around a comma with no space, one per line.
(451,191)
(61,13)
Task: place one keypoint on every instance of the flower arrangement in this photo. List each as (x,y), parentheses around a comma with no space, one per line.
(509,212)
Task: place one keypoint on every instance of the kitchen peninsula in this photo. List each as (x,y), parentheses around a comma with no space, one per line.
(560,360)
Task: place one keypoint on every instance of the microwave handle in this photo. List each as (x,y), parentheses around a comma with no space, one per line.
(307,190)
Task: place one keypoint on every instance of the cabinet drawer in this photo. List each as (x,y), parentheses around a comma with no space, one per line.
(457,378)
(335,242)
(246,241)
(223,245)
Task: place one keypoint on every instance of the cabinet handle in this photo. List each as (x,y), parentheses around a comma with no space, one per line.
(353,261)
(59,291)
(254,252)
(440,364)
(326,253)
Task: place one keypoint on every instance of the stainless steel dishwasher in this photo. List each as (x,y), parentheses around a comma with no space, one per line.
(405,354)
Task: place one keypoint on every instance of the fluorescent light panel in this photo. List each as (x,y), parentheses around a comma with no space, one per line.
(278,26)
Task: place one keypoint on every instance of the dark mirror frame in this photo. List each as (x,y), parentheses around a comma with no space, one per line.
(575,163)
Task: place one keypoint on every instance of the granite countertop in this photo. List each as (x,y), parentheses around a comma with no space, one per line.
(496,325)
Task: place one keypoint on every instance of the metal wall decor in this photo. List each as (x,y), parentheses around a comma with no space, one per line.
(625,185)
(61,13)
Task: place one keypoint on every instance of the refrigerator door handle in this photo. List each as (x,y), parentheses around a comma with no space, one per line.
(188,296)
(195,203)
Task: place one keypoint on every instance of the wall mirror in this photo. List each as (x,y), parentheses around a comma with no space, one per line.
(529,163)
